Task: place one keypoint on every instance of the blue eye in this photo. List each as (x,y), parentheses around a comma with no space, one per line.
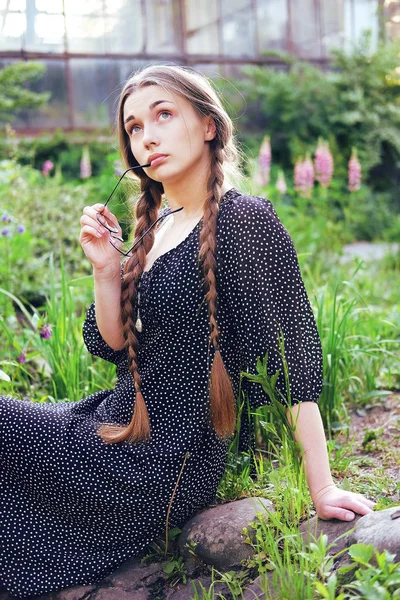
(131,130)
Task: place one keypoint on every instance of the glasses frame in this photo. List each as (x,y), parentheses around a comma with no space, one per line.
(114,230)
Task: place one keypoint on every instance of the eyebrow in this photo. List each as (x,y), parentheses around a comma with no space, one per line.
(152,105)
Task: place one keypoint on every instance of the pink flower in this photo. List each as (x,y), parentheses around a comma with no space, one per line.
(86,167)
(45,331)
(22,358)
(264,162)
(354,172)
(281,183)
(304,177)
(47,167)
(323,164)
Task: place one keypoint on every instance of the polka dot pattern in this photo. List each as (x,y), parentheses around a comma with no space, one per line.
(73,508)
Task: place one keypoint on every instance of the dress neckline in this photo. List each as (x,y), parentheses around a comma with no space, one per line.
(232,191)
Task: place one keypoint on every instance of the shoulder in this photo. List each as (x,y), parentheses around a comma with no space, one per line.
(246,213)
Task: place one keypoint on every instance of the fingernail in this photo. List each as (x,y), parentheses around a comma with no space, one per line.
(98,234)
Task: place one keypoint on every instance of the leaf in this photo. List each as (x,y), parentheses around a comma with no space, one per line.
(361,553)
(4,376)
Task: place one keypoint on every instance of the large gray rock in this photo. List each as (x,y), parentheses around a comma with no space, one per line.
(217,532)
(381,529)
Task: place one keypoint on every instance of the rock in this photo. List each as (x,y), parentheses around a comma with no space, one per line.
(133,574)
(218,532)
(334,528)
(184,592)
(77,592)
(381,529)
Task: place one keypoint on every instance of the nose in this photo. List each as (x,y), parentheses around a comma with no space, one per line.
(149,137)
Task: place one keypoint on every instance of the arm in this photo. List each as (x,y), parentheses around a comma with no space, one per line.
(107,292)
(330,501)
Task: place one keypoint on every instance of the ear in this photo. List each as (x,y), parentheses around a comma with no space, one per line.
(210,129)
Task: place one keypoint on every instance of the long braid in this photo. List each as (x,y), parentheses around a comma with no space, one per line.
(222,398)
(146,213)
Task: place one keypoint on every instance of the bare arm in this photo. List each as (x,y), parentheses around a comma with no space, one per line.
(107,292)
(330,502)
(309,432)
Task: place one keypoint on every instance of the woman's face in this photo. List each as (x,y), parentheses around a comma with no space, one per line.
(171,128)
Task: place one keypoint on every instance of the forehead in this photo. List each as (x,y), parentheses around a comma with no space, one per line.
(137,103)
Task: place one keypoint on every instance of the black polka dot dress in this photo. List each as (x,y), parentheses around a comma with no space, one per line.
(73,508)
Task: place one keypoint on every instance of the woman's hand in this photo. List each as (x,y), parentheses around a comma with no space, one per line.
(334,503)
(94,239)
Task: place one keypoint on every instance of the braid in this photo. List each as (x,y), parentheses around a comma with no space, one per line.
(222,399)
(146,213)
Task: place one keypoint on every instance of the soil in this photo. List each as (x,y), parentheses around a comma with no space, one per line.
(375,432)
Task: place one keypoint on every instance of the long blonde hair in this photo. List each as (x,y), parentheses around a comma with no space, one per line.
(225,160)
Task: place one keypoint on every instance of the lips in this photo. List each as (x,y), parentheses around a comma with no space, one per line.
(158,160)
(155,156)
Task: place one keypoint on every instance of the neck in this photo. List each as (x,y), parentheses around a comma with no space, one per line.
(191,195)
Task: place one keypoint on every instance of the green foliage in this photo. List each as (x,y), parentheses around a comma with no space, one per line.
(14,94)
(354,104)
(64,150)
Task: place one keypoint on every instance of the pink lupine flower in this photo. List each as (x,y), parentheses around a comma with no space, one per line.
(281,182)
(304,177)
(264,162)
(47,167)
(86,167)
(22,358)
(45,331)
(354,172)
(323,164)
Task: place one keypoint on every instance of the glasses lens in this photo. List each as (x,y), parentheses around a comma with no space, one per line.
(122,246)
(108,222)
(121,207)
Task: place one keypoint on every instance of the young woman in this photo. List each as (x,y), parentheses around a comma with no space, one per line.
(203,293)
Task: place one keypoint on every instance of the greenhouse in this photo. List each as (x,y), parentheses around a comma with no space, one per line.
(89,48)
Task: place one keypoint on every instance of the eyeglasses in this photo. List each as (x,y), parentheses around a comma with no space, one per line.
(112,227)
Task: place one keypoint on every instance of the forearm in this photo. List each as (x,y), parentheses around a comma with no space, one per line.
(107,292)
(309,433)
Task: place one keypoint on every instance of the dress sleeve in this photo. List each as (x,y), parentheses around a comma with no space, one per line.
(94,341)
(261,283)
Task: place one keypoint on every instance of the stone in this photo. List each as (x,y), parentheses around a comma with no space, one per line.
(77,592)
(381,529)
(334,529)
(218,535)
(133,574)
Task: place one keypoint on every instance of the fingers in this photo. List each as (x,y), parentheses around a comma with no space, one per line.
(334,512)
(97,220)
(346,508)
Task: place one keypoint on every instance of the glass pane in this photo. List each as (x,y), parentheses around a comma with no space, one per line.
(305,33)
(272,20)
(239,25)
(47,35)
(124,29)
(49,6)
(13,31)
(163,25)
(201,27)
(361,15)
(86,34)
(55,112)
(332,24)
(88,7)
(16,5)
